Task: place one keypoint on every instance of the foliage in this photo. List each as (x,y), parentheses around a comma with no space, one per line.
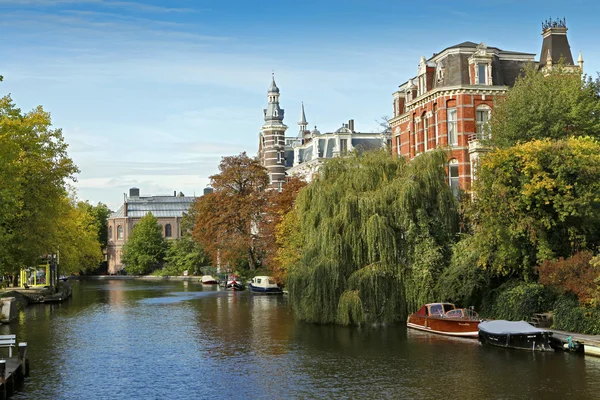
(77,241)
(519,301)
(277,206)
(375,235)
(570,316)
(536,201)
(547,104)
(289,245)
(463,282)
(100,214)
(185,254)
(577,274)
(146,248)
(34,170)
(226,220)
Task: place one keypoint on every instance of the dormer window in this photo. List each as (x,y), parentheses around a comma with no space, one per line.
(422,85)
(482,74)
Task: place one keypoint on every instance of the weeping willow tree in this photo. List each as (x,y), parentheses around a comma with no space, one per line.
(376,234)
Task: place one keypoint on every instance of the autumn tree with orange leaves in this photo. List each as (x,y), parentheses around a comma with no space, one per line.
(227,220)
(278,205)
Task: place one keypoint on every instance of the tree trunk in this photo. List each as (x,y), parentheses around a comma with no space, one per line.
(251,261)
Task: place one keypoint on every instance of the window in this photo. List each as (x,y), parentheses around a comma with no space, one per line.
(422,86)
(483,115)
(425,132)
(482,74)
(452,127)
(453,176)
(436,309)
(398,144)
(119,232)
(343,146)
(168,230)
(110,232)
(278,157)
(435,122)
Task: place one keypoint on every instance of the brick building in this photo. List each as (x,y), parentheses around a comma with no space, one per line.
(449,101)
(168,210)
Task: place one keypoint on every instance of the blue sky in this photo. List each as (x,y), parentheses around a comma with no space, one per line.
(153,93)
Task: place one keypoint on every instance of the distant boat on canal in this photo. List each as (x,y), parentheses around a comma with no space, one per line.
(445,319)
(264,284)
(209,280)
(234,283)
(515,335)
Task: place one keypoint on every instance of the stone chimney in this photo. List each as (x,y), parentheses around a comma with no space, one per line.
(351,125)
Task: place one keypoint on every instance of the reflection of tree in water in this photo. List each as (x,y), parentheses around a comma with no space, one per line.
(236,324)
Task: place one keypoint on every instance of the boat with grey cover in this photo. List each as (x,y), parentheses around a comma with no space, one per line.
(515,335)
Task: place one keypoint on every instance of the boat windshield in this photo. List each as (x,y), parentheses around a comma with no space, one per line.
(454,314)
(448,307)
(436,309)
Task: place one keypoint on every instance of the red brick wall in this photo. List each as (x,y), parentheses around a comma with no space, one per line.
(412,135)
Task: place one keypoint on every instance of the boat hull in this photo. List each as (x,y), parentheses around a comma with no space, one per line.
(540,341)
(264,290)
(444,326)
(235,286)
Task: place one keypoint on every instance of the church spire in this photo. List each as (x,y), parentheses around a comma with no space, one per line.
(302,123)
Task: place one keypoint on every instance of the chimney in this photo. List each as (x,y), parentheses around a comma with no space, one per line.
(351,125)
(174,193)
(208,190)
(134,192)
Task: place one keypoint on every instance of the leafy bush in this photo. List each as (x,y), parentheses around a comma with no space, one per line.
(578,274)
(570,316)
(520,301)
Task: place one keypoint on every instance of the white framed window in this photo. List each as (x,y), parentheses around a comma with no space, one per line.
(452,122)
(422,85)
(398,144)
(278,158)
(119,232)
(435,122)
(453,176)
(482,117)
(481,74)
(425,132)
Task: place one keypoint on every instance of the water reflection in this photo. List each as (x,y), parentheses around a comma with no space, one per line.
(128,339)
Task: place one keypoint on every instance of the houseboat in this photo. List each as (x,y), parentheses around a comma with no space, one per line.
(445,319)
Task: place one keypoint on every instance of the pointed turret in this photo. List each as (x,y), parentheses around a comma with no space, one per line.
(555,45)
(273,112)
(302,124)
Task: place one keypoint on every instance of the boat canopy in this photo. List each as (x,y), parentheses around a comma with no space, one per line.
(502,327)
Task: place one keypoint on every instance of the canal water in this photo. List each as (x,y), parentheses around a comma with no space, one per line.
(179,340)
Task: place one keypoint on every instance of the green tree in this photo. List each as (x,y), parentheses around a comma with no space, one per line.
(146,248)
(185,254)
(536,201)
(100,214)
(551,104)
(34,172)
(77,241)
(376,233)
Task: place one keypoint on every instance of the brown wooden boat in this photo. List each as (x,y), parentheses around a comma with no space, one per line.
(445,319)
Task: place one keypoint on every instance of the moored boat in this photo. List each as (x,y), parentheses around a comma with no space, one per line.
(515,335)
(234,283)
(445,319)
(264,284)
(209,280)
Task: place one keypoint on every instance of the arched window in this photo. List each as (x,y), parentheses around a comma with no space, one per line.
(119,232)
(453,176)
(110,232)
(168,230)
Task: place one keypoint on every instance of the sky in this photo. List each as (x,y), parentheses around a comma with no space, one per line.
(151,94)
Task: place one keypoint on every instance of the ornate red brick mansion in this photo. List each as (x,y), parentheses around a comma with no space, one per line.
(449,101)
